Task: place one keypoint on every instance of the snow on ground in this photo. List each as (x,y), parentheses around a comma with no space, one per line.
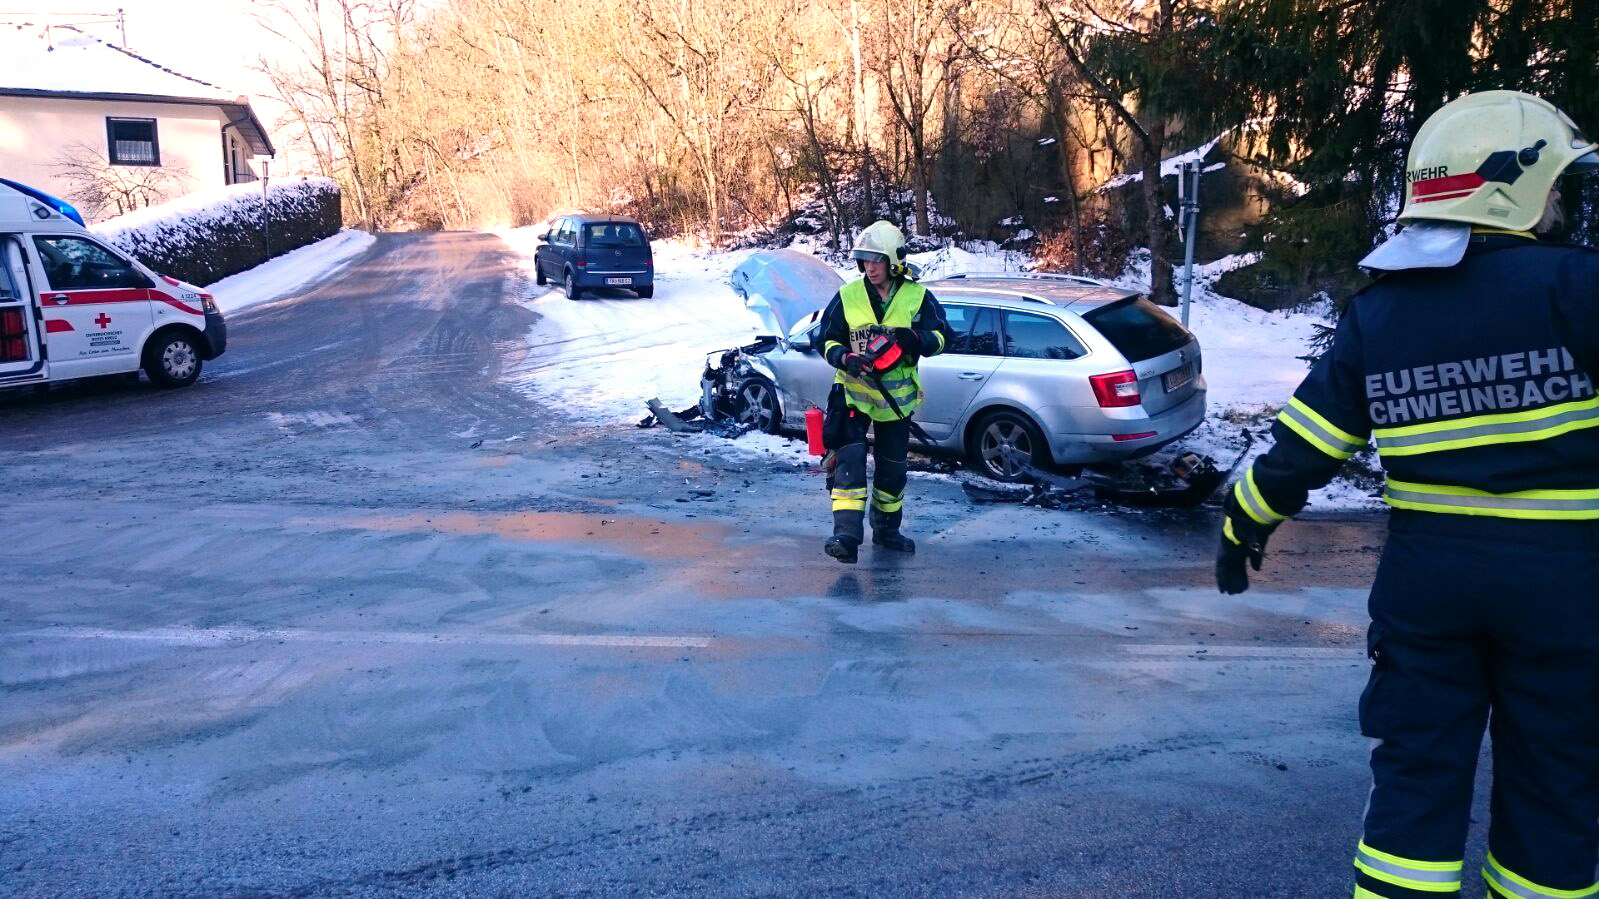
(1250,354)
(1252,365)
(601,358)
(285,274)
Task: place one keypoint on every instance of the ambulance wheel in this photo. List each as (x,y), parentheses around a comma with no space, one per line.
(572,290)
(998,431)
(538,274)
(757,406)
(172,360)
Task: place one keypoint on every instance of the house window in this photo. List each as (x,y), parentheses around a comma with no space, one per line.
(132,142)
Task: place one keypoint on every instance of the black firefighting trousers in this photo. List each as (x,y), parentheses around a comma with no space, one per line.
(893,440)
(1483,622)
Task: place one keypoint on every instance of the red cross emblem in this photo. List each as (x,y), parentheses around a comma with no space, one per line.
(103,321)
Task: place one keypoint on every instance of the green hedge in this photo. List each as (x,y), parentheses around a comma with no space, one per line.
(205,237)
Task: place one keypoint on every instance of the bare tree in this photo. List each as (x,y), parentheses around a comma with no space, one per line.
(915,69)
(1011,41)
(101,190)
(1149,26)
(335,89)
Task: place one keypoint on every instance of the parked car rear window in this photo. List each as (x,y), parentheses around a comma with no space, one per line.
(976,330)
(1030,336)
(615,234)
(1138,329)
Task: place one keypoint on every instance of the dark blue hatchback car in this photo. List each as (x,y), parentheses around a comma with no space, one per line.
(583,252)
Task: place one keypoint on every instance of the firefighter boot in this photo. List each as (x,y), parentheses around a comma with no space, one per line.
(843,547)
(885,531)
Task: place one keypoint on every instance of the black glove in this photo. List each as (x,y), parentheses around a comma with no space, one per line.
(856,364)
(908,340)
(1242,538)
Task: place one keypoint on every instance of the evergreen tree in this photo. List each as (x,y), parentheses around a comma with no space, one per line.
(1344,86)
(1151,65)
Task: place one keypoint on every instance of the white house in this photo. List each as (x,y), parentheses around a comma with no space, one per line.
(110,129)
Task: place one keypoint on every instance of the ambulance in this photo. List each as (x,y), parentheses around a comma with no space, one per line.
(74,306)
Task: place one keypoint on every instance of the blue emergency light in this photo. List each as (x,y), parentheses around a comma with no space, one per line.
(61,206)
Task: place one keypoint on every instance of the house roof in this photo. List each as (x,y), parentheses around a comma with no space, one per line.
(62,61)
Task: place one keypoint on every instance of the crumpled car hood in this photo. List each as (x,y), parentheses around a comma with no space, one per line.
(783,287)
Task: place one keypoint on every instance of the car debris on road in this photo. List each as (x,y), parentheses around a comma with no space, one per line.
(1186,482)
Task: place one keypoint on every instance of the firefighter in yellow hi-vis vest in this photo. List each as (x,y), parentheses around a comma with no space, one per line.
(884,303)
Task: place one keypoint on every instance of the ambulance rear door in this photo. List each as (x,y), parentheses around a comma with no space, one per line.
(96,306)
(20,357)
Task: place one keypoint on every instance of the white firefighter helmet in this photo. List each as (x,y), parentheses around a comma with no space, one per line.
(1491,159)
(881,240)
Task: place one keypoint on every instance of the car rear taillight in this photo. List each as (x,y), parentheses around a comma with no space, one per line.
(1120,438)
(209,303)
(1119,388)
(580,262)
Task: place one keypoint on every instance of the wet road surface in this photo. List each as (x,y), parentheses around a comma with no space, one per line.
(290,633)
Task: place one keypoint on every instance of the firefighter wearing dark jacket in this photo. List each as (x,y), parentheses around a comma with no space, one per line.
(885,301)
(1471,363)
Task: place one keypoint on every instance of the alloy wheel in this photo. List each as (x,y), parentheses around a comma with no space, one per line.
(757,406)
(999,436)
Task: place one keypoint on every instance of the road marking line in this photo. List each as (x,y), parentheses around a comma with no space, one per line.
(1353,653)
(221,636)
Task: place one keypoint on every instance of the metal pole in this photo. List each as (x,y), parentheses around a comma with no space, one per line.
(1188,188)
(266,210)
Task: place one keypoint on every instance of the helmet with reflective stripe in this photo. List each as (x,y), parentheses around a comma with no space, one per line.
(1491,159)
(881,241)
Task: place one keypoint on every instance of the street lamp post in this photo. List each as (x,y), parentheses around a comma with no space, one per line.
(1188,225)
(266,209)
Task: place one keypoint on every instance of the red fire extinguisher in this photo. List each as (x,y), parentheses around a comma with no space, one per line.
(813,431)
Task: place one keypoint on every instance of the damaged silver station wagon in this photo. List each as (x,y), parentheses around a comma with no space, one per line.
(1043,368)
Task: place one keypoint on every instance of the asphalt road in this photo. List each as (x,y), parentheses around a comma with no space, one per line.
(289,632)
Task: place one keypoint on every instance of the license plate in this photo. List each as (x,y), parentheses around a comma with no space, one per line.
(622,281)
(1178,378)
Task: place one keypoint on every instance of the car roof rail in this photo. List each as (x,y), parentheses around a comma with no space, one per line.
(1032,276)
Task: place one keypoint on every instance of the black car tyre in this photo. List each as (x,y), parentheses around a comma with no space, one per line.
(757,405)
(999,429)
(538,274)
(645,293)
(572,290)
(172,360)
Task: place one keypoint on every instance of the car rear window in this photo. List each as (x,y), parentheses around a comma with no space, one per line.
(1138,329)
(615,234)
(1029,336)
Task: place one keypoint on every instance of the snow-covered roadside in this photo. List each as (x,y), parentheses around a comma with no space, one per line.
(601,358)
(285,274)
(1252,366)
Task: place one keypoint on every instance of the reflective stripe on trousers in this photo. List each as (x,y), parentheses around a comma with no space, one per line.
(1507,883)
(1431,877)
(849,499)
